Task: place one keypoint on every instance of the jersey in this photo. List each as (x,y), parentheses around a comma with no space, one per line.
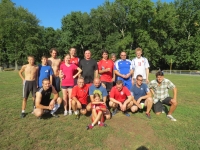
(81,93)
(88,68)
(45,96)
(44,72)
(120,96)
(139,66)
(75,60)
(104,64)
(68,71)
(138,92)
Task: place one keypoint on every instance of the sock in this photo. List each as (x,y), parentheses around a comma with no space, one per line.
(92,124)
(99,122)
(76,112)
(23,111)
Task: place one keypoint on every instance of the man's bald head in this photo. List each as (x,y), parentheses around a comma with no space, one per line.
(97,82)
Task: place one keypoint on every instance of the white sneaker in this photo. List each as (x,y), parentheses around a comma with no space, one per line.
(171,117)
(163,110)
(65,113)
(70,112)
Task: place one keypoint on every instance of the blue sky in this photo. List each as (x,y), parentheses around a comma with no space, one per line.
(50,12)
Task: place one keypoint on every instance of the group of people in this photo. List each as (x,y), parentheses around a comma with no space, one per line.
(102,88)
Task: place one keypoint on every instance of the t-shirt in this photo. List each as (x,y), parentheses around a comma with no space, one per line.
(124,67)
(75,61)
(138,92)
(88,67)
(104,64)
(100,90)
(120,96)
(139,66)
(45,96)
(81,93)
(68,79)
(44,72)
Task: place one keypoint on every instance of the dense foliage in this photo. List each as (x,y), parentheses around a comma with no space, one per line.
(167,32)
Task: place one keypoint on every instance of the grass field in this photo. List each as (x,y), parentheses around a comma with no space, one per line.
(135,132)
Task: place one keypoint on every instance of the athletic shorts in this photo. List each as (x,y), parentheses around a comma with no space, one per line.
(159,105)
(29,86)
(83,106)
(56,83)
(108,85)
(67,87)
(127,82)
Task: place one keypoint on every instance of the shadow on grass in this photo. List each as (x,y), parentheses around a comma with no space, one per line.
(142,148)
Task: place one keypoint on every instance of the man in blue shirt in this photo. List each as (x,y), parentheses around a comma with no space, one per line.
(124,70)
(44,71)
(142,95)
(97,87)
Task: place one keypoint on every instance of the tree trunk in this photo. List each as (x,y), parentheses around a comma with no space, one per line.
(16,65)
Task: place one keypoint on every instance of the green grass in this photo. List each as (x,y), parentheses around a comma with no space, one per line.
(121,133)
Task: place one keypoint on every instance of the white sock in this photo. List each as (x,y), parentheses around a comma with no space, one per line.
(99,122)
(92,124)
(23,111)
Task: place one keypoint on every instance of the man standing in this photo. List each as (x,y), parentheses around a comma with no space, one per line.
(159,88)
(124,70)
(96,87)
(106,67)
(80,97)
(43,102)
(121,97)
(140,66)
(74,60)
(142,95)
(89,68)
(29,81)
(54,62)
(44,71)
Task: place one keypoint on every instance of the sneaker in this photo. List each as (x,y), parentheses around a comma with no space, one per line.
(65,113)
(77,116)
(148,115)
(126,114)
(102,124)
(54,115)
(70,112)
(89,126)
(171,117)
(114,111)
(23,115)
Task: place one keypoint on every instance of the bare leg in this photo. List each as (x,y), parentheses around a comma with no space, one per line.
(98,117)
(149,103)
(172,107)
(24,101)
(64,91)
(70,100)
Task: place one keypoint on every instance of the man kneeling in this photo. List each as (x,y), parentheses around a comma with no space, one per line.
(43,103)
(142,95)
(120,96)
(79,97)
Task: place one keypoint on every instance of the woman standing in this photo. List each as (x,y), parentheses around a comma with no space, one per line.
(67,83)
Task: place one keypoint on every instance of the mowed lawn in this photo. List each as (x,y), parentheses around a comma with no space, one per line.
(134,132)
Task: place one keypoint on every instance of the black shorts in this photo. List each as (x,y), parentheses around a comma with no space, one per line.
(83,106)
(159,105)
(29,86)
(67,87)
(56,83)
(108,85)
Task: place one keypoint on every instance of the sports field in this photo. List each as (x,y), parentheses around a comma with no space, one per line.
(134,132)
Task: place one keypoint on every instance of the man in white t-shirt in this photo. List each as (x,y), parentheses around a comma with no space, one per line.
(140,66)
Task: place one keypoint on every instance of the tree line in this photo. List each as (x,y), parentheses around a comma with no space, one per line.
(167,32)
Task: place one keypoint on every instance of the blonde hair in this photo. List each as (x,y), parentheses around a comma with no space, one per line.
(138,49)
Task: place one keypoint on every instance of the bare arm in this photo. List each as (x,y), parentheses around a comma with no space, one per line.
(147,75)
(104,99)
(130,98)
(96,73)
(21,72)
(148,94)
(51,79)
(119,74)
(115,101)
(103,71)
(91,98)
(175,93)
(37,69)
(79,72)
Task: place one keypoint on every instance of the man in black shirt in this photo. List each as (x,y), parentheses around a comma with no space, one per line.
(43,103)
(89,67)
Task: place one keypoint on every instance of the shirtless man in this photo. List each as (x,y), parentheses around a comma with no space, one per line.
(29,81)
(54,62)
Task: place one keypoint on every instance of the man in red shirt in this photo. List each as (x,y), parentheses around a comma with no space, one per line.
(106,67)
(79,97)
(74,60)
(121,97)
